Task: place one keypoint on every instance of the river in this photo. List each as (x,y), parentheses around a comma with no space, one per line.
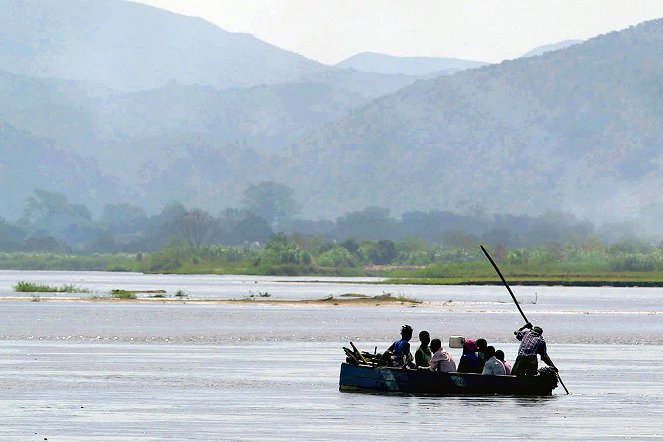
(256,370)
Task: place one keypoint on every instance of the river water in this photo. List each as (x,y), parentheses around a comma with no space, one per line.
(190,371)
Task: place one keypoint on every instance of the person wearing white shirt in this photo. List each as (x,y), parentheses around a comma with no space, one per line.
(493,365)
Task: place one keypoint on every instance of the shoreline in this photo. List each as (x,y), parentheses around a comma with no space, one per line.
(380,300)
(451,307)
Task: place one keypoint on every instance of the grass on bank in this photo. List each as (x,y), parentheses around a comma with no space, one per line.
(591,270)
(123,294)
(588,273)
(37,287)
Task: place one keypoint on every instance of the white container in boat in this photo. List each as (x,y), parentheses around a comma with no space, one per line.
(456,341)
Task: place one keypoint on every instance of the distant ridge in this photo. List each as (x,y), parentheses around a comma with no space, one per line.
(420,66)
(130,46)
(550,47)
(578,129)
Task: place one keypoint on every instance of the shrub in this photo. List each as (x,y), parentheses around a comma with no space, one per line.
(632,262)
(337,257)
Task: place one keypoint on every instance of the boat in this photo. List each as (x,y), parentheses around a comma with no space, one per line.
(369,378)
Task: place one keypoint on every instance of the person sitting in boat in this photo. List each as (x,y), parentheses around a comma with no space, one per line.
(469,361)
(531,345)
(481,352)
(423,354)
(400,350)
(492,366)
(499,354)
(441,360)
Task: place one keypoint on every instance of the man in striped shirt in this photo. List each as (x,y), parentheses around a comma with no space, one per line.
(531,345)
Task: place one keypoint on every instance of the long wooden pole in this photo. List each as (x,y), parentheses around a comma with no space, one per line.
(485,252)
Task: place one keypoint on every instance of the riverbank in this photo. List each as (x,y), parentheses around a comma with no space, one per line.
(353,300)
(574,273)
(550,281)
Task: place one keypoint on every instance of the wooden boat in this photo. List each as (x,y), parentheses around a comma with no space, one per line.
(366,378)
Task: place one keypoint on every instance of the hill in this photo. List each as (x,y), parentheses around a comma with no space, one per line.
(129,46)
(26,159)
(147,140)
(416,66)
(578,129)
(551,47)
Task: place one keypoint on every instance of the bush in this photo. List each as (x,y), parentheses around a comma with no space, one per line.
(633,262)
(337,257)
(31,287)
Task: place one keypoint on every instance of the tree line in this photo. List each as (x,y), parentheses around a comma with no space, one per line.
(51,223)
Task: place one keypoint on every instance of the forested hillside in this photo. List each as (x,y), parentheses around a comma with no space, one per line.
(129,46)
(578,128)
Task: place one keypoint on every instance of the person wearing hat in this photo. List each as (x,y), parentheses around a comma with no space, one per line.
(401,349)
(531,345)
(469,361)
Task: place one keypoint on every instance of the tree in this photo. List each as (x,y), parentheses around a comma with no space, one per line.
(123,218)
(51,214)
(384,252)
(271,200)
(46,206)
(250,229)
(372,223)
(11,235)
(197,226)
(281,250)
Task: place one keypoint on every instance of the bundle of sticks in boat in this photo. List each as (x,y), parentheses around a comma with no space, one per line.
(357,357)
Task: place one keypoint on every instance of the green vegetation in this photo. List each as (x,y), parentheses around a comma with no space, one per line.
(68,261)
(123,294)
(628,262)
(36,287)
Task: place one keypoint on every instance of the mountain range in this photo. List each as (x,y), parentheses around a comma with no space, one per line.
(419,66)
(109,101)
(578,128)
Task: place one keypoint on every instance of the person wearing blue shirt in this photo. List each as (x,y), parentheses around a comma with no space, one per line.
(401,349)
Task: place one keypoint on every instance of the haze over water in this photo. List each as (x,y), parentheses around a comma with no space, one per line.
(129,371)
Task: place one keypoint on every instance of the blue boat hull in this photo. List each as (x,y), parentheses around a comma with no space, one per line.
(425,382)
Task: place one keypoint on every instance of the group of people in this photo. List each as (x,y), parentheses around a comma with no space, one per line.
(478,356)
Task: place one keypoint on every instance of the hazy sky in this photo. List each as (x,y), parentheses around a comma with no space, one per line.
(488,30)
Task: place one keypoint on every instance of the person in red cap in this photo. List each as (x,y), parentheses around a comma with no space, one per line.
(469,361)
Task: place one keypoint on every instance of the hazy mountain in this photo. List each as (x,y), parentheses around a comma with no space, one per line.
(148,138)
(28,163)
(368,84)
(264,117)
(55,109)
(551,47)
(579,128)
(416,66)
(574,129)
(130,46)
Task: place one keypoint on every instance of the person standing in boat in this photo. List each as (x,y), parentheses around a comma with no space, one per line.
(401,349)
(441,360)
(423,354)
(470,360)
(492,365)
(531,345)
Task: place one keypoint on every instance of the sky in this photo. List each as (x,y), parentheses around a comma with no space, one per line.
(486,30)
